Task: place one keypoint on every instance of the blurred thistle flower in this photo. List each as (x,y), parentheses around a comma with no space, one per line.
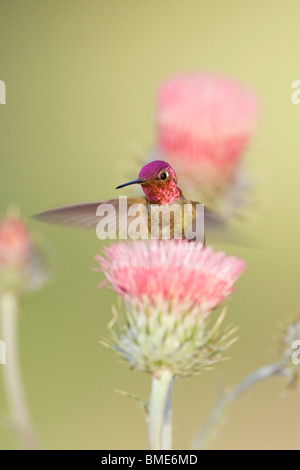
(289,351)
(204,125)
(14,242)
(22,266)
(169,291)
(22,269)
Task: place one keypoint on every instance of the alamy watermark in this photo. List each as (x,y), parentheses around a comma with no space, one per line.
(296,94)
(2,92)
(140,221)
(2,352)
(296,354)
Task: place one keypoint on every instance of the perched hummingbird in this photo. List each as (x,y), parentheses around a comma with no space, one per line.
(159,183)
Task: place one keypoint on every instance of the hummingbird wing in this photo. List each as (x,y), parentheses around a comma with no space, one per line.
(219,230)
(201,221)
(109,218)
(213,221)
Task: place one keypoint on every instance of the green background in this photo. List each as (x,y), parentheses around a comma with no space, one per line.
(81,80)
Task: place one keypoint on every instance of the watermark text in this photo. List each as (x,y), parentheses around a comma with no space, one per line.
(2,92)
(140,221)
(296,94)
(296,354)
(2,352)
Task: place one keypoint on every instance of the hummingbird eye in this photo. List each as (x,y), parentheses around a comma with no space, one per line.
(164,175)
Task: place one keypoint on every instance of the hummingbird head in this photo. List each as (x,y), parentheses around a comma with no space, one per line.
(158,181)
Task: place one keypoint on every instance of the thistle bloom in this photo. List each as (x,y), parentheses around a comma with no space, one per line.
(21,266)
(21,269)
(169,290)
(14,242)
(204,125)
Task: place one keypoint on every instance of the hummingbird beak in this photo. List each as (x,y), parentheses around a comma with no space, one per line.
(138,181)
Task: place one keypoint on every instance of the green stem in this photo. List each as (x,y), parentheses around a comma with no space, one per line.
(230,397)
(13,384)
(159,420)
(167,422)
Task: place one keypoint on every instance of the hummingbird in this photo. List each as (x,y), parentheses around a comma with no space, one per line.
(158,181)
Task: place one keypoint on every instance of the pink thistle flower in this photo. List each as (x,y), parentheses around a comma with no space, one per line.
(204,125)
(14,242)
(171,272)
(21,264)
(169,290)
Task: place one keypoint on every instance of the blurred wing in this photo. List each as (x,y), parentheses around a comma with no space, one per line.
(93,215)
(201,221)
(213,221)
(218,230)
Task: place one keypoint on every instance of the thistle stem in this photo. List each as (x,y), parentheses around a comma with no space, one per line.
(159,420)
(167,422)
(13,385)
(230,397)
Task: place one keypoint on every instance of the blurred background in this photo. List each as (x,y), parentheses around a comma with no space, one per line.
(81,82)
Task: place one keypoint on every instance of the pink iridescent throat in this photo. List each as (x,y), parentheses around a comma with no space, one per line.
(161,193)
